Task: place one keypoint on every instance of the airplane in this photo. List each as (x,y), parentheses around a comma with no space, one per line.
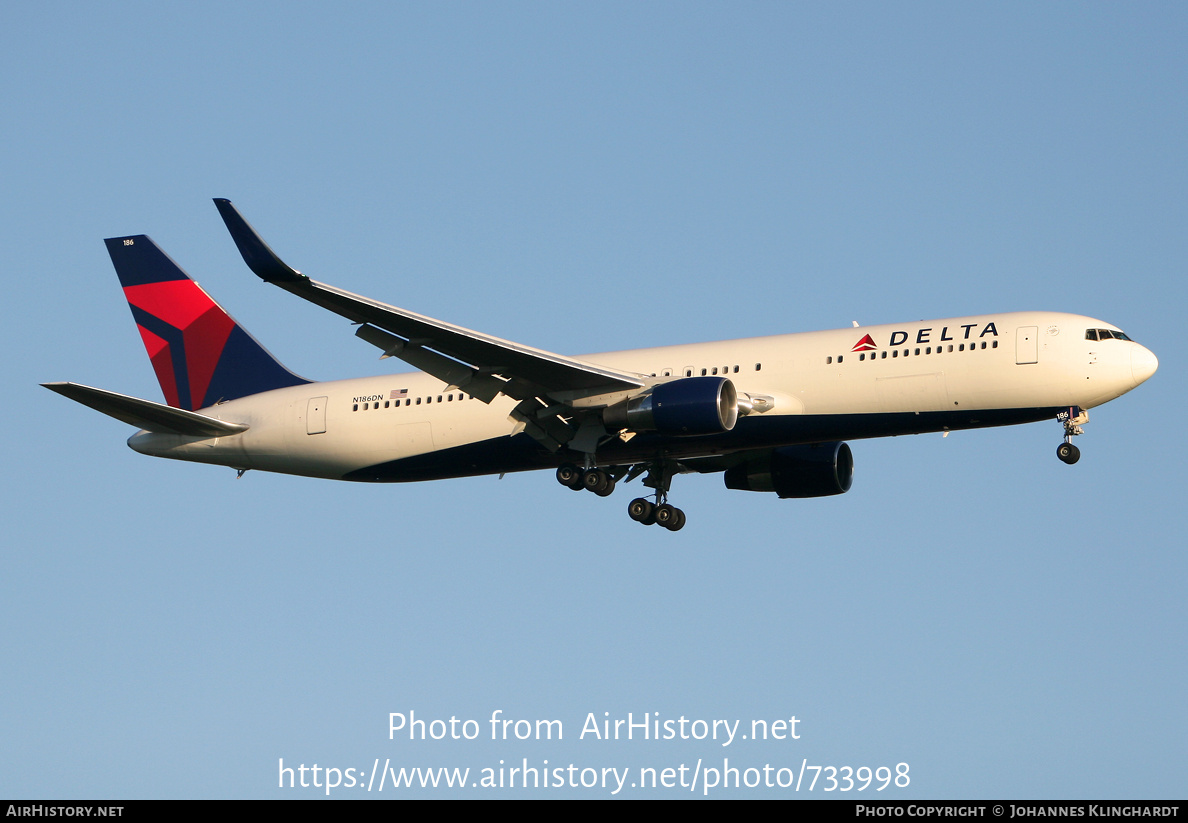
(772,414)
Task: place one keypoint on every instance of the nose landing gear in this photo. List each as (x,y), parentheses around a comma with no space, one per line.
(1073,418)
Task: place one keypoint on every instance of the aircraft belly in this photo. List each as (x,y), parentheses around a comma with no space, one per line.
(522,453)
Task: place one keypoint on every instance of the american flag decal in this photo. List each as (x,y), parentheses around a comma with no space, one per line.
(397,393)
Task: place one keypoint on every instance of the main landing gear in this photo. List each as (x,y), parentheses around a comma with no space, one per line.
(661,512)
(645,511)
(641,510)
(599,481)
(1073,418)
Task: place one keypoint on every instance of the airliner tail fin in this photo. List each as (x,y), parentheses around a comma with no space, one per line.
(200,354)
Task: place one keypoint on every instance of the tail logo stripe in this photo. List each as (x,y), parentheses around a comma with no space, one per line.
(206,338)
(178,302)
(169,362)
(162,359)
(195,322)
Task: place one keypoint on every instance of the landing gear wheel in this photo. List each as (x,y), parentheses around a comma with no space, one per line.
(571,476)
(665,514)
(642,511)
(599,482)
(1068,453)
(680,522)
(670,517)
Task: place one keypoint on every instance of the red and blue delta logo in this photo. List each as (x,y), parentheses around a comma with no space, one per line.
(865,344)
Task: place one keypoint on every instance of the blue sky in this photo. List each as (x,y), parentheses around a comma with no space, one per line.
(584,177)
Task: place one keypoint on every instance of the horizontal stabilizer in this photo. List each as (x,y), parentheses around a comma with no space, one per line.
(145,414)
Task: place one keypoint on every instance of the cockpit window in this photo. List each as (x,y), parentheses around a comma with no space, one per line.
(1104,334)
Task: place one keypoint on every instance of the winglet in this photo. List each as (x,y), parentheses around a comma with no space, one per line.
(260,259)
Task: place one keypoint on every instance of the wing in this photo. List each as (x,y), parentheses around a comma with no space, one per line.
(479,364)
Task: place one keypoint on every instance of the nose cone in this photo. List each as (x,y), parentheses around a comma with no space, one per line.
(1142,364)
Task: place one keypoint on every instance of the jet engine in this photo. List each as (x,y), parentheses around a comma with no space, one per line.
(816,470)
(689,406)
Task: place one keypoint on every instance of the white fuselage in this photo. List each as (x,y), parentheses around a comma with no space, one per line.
(844,384)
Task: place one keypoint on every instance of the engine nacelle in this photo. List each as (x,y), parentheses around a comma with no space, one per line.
(818,470)
(689,406)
